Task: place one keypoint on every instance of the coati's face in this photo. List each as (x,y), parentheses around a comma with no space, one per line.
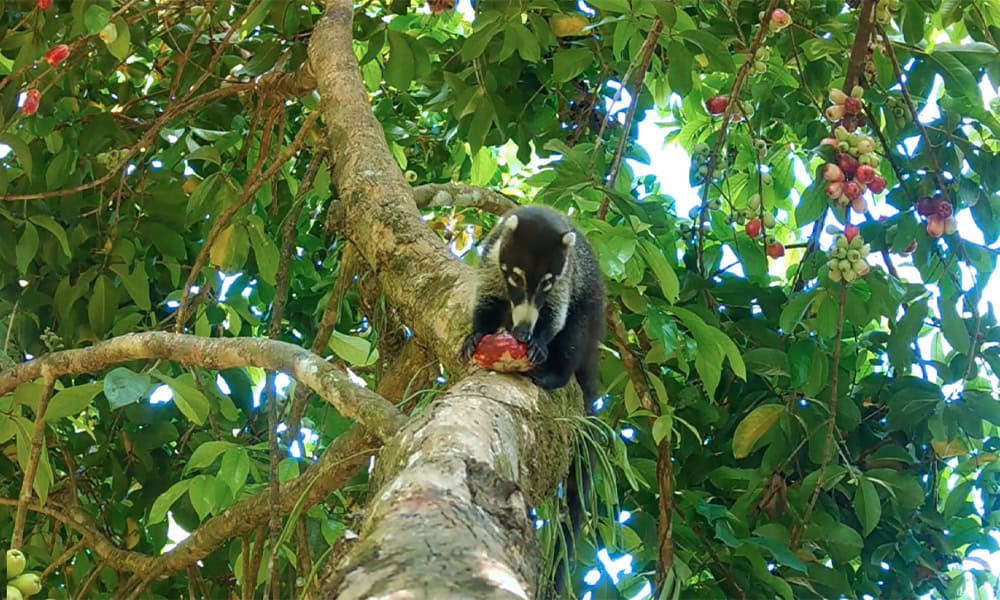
(532,260)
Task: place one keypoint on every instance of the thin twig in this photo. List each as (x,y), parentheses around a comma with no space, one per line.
(31,469)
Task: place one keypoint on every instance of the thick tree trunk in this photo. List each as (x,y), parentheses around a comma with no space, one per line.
(448,516)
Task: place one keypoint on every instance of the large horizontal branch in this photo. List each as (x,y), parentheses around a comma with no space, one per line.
(337,464)
(460,195)
(375,209)
(367,408)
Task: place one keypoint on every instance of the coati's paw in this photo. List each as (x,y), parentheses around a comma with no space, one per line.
(537,353)
(469,347)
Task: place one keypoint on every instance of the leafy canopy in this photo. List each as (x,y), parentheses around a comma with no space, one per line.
(805,432)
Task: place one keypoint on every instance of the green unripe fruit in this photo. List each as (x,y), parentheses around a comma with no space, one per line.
(13,593)
(766,179)
(849,275)
(853,255)
(841,241)
(857,242)
(835,275)
(845,265)
(754,202)
(768,220)
(15,563)
(29,584)
(760,67)
(833,264)
(703,170)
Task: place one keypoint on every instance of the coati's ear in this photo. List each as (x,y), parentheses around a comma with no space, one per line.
(510,223)
(568,239)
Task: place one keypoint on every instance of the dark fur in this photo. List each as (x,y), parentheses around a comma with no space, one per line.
(559,350)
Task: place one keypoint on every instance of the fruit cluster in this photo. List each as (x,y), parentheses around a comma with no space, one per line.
(20,585)
(699,161)
(847,258)
(847,111)
(112,158)
(939,218)
(854,170)
(760,59)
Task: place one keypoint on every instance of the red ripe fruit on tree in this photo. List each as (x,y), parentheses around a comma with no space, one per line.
(943,209)
(852,106)
(926,207)
(439,6)
(877,184)
(716,105)
(909,249)
(753,228)
(502,352)
(57,54)
(775,250)
(852,189)
(780,19)
(835,189)
(31,100)
(847,163)
(851,232)
(43,4)
(935,226)
(865,174)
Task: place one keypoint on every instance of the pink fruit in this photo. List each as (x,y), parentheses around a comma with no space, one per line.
(31,100)
(943,209)
(828,141)
(835,112)
(877,184)
(753,227)
(780,19)
(775,250)
(835,189)
(865,174)
(851,232)
(860,205)
(852,105)
(852,189)
(502,352)
(847,163)
(43,4)
(716,105)
(57,54)
(832,172)
(935,226)
(950,225)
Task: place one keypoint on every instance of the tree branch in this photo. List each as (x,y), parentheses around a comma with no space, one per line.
(460,195)
(360,404)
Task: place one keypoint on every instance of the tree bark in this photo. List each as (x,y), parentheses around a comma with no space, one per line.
(448,516)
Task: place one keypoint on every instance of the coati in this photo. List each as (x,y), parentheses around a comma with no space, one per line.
(539,279)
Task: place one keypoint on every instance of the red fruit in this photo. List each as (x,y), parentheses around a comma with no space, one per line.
(832,172)
(31,100)
(935,226)
(828,141)
(911,247)
(852,105)
(865,174)
(943,209)
(57,54)
(877,184)
(847,163)
(43,4)
(502,352)
(753,228)
(775,250)
(835,189)
(852,190)
(926,207)
(780,19)
(439,6)
(851,232)
(716,105)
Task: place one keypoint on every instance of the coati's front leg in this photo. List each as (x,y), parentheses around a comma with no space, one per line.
(489,316)
(561,353)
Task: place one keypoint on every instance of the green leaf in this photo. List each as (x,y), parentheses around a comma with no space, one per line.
(205,454)
(812,204)
(123,386)
(527,43)
(56,229)
(100,311)
(754,426)
(842,542)
(189,400)
(958,80)
(162,504)
(662,427)
(957,499)
(121,47)
(867,505)
(680,68)
(719,57)
(95,18)
(21,151)
(205,494)
(235,468)
(767,361)
(399,68)
(984,405)
(136,284)
(569,63)
(665,275)
(484,167)
(953,326)
(27,247)
(355,350)
(265,252)
(72,400)
(795,310)
(781,553)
